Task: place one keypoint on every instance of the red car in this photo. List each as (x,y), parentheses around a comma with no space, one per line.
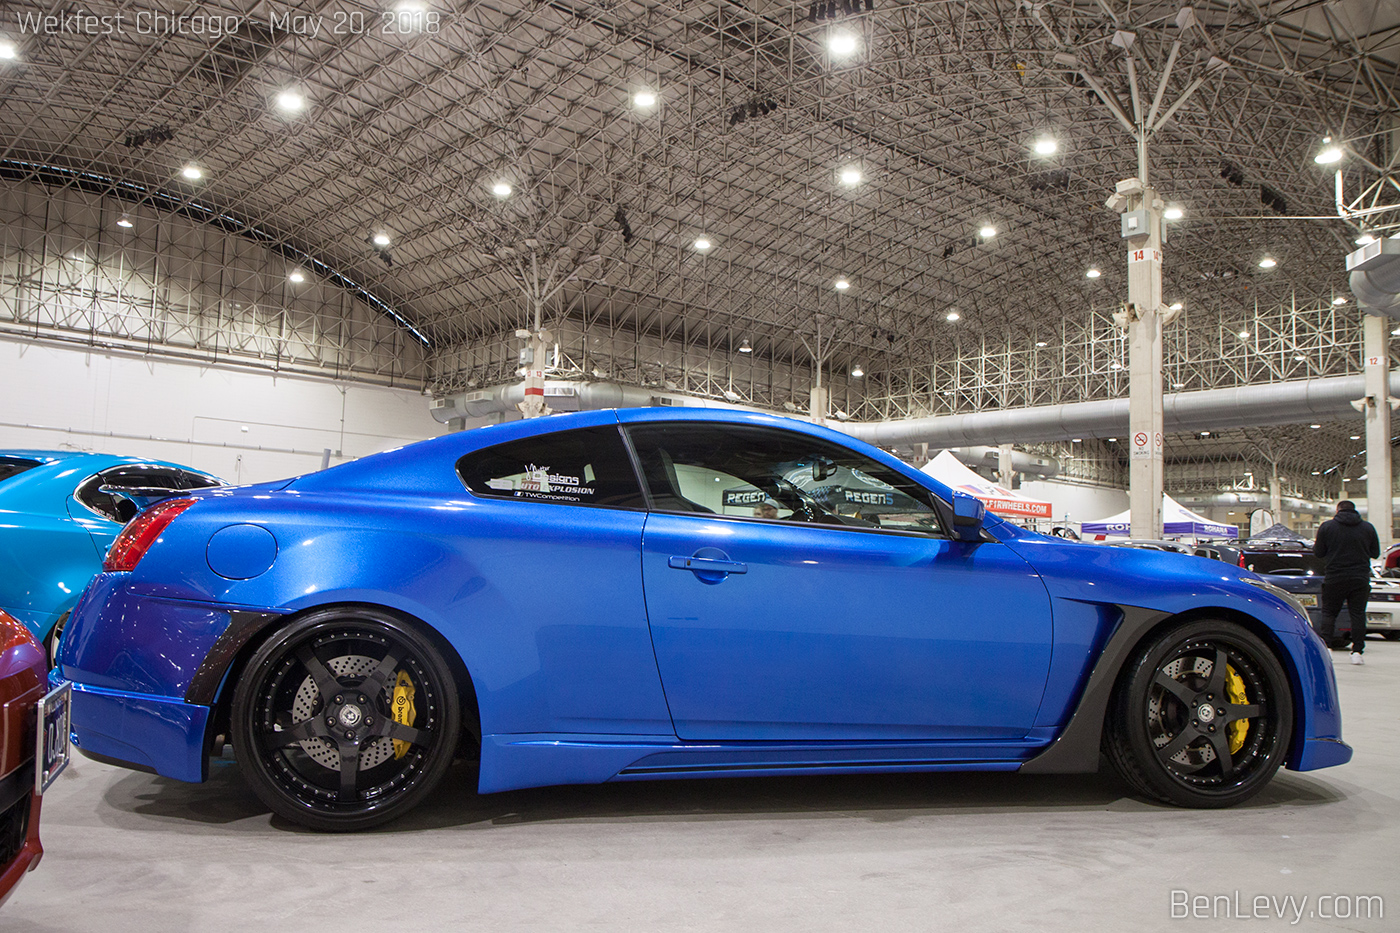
(23,684)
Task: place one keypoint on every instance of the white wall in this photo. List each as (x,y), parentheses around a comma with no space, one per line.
(245,427)
(1080,503)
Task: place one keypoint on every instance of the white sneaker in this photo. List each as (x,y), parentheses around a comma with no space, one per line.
(1356,658)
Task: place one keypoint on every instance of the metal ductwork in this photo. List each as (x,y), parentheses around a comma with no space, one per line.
(1255,499)
(1209,410)
(560,396)
(1021,462)
(1375,276)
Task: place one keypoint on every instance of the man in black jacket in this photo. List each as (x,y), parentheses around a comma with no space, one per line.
(1347,544)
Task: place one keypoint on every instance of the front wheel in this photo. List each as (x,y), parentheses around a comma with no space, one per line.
(1202,716)
(345,719)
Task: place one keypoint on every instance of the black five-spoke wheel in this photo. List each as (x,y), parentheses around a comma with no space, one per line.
(1202,716)
(345,719)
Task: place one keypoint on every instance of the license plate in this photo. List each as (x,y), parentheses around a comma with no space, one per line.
(55,722)
(1377,617)
(1308,600)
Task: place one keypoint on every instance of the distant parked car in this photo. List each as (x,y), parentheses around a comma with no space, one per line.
(22,685)
(1150,544)
(59,512)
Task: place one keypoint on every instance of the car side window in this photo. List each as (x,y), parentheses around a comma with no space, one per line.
(586,466)
(119,493)
(763,473)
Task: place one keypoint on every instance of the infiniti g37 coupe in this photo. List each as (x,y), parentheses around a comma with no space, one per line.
(653,593)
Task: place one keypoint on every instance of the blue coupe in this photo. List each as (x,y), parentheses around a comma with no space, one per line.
(662,593)
(59,511)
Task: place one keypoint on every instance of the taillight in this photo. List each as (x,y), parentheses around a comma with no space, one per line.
(1241,558)
(143,530)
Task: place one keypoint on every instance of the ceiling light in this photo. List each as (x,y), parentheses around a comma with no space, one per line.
(857,372)
(1174,213)
(290,101)
(192,172)
(296,276)
(850,176)
(1077,440)
(1356,437)
(1205,434)
(1317,473)
(1046,146)
(1176,306)
(501,190)
(954,316)
(841,285)
(1113,440)
(745,346)
(1092,274)
(1364,239)
(125,221)
(1395,332)
(842,43)
(1329,155)
(1115,365)
(1300,358)
(1178,385)
(8,50)
(411,6)
(644,99)
(1041,343)
(1339,300)
(1314,426)
(381,239)
(987,232)
(702,244)
(1244,335)
(1267,263)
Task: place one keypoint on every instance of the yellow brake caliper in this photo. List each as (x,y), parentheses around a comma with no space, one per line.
(1234,690)
(404,713)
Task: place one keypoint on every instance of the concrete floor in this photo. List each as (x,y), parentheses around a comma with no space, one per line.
(996,852)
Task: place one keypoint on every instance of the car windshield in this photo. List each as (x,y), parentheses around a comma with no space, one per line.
(13,466)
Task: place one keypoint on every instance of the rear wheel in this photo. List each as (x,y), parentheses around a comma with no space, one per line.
(345,719)
(1202,716)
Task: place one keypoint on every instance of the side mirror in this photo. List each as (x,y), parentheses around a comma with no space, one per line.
(968,513)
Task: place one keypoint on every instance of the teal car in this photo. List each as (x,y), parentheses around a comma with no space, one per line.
(59,512)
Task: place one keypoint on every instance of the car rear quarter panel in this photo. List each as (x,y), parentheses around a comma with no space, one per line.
(543,603)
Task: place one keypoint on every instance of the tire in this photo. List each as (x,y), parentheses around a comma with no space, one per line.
(317,697)
(1169,731)
(1391,636)
(55,636)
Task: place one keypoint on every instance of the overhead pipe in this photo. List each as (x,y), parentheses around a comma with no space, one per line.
(1208,410)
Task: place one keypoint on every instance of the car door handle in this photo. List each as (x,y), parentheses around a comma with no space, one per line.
(708,565)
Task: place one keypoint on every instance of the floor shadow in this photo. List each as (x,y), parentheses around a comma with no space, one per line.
(227,798)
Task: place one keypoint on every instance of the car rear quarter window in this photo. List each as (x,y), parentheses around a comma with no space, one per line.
(586,466)
(13,466)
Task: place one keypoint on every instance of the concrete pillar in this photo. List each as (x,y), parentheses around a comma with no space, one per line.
(1005,474)
(1375,351)
(821,404)
(1276,496)
(1144,323)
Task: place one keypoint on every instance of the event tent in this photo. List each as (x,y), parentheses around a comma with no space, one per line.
(949,471)
(1176,520)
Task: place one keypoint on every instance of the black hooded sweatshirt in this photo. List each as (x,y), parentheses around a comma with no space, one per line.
(1348,544)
